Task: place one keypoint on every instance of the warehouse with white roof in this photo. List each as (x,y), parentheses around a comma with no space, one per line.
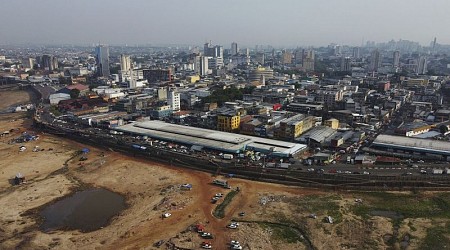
(413,145)
(211,139)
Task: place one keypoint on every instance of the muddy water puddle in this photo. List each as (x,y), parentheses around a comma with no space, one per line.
(86,211)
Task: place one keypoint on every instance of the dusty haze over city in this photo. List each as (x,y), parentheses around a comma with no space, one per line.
(278,23)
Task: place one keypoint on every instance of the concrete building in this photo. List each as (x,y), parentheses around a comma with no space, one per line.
(158,75)
(422,65)
(228,121)
(293,127)
(396,59)
(125,63)
(375,61)
(356,53)
(332,123)
(48,62)
(173,100)
(162,93)
(204,66)
(256,74)
(345,64)
(234,49)
(286,57)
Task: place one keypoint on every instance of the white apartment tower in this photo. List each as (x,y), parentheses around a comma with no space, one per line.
(173,100)
(125,63)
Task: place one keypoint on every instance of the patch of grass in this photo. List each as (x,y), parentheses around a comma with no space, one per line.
(409,205)
(437,238)
(219,212)
(283,233)
(320,205)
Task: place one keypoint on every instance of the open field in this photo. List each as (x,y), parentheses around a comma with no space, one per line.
(276,216)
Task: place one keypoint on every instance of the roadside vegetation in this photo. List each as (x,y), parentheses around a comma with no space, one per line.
(219,212)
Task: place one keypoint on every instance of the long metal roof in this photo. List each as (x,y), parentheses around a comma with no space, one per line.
(422,145)
(212,139)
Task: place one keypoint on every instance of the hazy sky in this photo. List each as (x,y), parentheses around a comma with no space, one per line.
(248,22)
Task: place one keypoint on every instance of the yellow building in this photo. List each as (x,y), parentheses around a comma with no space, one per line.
(332,123)
(228,122)
(193,79)
(293,127)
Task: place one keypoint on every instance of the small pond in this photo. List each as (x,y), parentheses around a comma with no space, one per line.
(86,211)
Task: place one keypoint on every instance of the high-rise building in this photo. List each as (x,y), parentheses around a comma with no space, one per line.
(308,60)
(337,50)
(396,61)
(102,56)
(260,58)
(356,52)
(234,49)
(422,65)
(375,61)
(48,62)
(286,57)
(173,100)
(345,64)
(204,65)
(125,63)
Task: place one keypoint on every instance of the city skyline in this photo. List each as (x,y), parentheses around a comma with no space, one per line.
(287,23)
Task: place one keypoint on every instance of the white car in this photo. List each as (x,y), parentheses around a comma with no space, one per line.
(236,247)
(219,195)
(234,242)
(233,225)
(166,215)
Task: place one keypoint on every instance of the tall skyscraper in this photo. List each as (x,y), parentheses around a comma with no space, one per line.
(48,62)
(396,61)
(422,65)
(204,65)
(375,61)
(125,63)
(102,56)
(234,49)
(356,52)
(286,57)
(345,64)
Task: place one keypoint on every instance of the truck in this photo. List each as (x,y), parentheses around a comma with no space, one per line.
(227,156)
(221,183)
(349,158)
(438,171)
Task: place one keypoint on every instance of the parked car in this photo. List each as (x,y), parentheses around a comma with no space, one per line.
(207,235)
(206,245)
(166,215)
(233,225)
(242,214)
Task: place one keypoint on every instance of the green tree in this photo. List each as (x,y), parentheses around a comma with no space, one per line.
(74,93)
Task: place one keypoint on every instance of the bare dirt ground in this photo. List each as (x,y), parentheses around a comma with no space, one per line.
(151,189)
(14,97)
